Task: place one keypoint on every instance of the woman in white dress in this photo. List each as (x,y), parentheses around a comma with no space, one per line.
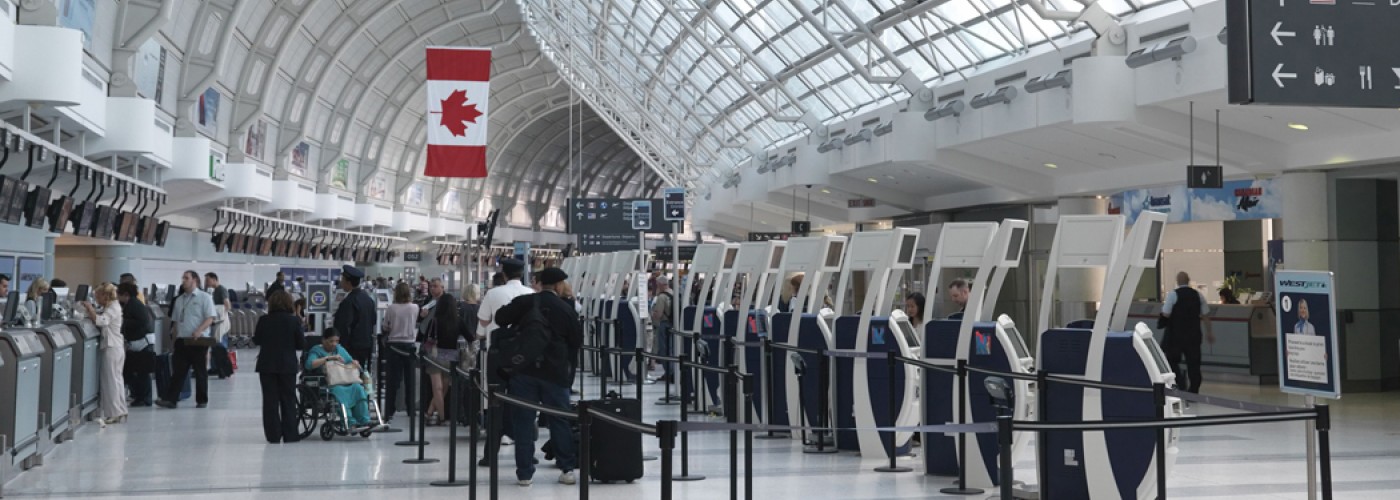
(108,318)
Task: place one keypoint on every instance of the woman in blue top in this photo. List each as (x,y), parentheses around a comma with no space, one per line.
(353,396)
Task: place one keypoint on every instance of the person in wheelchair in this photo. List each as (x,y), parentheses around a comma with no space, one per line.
(352,396)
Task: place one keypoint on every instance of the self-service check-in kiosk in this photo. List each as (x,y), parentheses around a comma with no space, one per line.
(877,260)
(21,391)
(594,284)
(701,315)
(55,399)
(755,266)
(627,309)
(817,258)
(89,362)
(977,341)
(1117,463)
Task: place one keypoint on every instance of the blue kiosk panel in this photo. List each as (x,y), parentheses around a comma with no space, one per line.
(988,353)
(881,339)
(1065,352)
(809,336)
(625,337)
(755,330)
(940,343)
(782,322)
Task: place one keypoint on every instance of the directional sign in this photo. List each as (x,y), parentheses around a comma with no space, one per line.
(641,215)
(801,227)
(611,215)
(1205,176)
(768,236)
(665,253)
(674,199)
(589,243)
(412,256)
(1314,52)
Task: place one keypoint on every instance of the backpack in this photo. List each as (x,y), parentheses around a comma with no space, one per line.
(523,346)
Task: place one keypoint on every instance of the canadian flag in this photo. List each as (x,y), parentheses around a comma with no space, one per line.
(459,89)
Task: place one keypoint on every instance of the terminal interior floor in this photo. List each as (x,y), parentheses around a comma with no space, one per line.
(219,452)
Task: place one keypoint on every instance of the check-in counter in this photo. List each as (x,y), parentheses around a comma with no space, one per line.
(1245,347)
(87,365)
(56,399)
(21,378)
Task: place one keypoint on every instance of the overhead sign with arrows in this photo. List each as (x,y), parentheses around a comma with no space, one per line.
(674,199)
(1314,52)
(614,216)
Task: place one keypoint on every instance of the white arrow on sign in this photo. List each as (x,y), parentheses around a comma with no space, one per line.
(1279,75)
(675,213)
(1276,33)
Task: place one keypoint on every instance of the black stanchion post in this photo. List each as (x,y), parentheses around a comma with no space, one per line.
(1324,448)
(422,416)
(731,413)
(474,392)
(1006,472)
(890,372)
(666,434)
(602,377)
(585,452)
(697,377)
(1159,400)
(767,385)
(640,355)
(685,372)
(748,437)
(451,411)
(582,387)
(962,488)
(414,400)
(1042,452)
(823,403)
(493,435)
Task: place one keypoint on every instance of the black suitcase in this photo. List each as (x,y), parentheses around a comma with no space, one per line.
(220,365)
(615,453)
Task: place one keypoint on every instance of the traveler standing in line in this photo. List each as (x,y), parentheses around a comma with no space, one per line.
(400,325)
(279,336)
(140,354)
(496,298)
(193,314)
(547,381)
(131,278)
(1183,310)
(108,318)
(662,312)
(444,328)
(356,317)
(467,311)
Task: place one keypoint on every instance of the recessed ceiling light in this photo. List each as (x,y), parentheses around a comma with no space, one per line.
(890,177)
(1297,126)
(1051,165)
(873,180)
(826,191)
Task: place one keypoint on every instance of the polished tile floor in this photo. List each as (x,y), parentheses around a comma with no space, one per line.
(219,452)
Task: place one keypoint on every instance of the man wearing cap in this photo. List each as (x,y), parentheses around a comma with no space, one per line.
(496,298)
(546,383)
(355,318)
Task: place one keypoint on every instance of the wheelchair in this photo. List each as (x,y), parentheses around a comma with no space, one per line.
(318,407)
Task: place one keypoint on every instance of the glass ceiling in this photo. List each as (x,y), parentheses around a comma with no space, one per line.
(707,83)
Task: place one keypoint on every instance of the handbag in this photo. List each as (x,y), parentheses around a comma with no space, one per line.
(339,373)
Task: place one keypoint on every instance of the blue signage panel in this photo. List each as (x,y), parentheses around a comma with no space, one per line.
(641,215)
(1235,200)
(1307,334)
(674,199)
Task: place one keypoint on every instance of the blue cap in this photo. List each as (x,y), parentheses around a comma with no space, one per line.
(352,271)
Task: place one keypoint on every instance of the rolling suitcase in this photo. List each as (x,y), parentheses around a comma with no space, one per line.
(615,453)
(164,367)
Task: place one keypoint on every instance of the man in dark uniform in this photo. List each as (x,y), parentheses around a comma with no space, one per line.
(355,317)
(1183,310)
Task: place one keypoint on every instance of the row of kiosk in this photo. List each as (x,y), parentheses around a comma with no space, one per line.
(733,302)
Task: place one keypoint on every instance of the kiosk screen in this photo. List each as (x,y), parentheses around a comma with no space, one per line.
(1013,247)
(1154,238)
(833,253)
(777,261)
(906,248)
(911,337)
(12,306)
(1158,356)
(1017,343)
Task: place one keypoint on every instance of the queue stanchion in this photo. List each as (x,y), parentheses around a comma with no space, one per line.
(890,370)
(1007,473)
(748,438)
(697,379)
(666,434)
(493,435)
(962,488)
(1042,453)
(1159,400)
(640,354)
(381,350)
(415,434)
(823,403)
(1324,448)
(451,411)
(422,414)
(732,416)
(474,392)
(585,443)
(685,371)
(602,376)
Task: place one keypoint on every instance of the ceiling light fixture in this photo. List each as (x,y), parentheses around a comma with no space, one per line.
(951,108)
(826,191)
(1297,126)
(1173,49)
(1064,78)
(873,180)
(865,135)
(1051,165)
(835,144)
(1002,95)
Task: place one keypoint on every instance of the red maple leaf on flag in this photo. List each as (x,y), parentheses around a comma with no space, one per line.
(456,113)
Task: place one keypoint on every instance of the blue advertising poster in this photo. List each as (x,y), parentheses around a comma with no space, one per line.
(78,15)
(1307,337)
(30,270)
(1236,200)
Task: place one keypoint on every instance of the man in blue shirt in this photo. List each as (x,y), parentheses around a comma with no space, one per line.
(193,315)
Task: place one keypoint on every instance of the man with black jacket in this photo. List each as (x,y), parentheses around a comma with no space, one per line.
(140,355)
(355,317)
(546,383)
(1183,311)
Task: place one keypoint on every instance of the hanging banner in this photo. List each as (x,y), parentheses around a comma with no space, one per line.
(1307,334)
(458,91)
(1236,200)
